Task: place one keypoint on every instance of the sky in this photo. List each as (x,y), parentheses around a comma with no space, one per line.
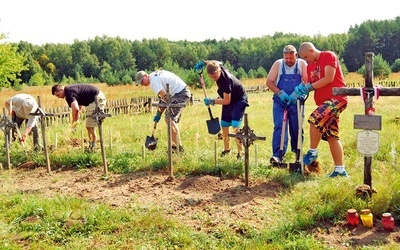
(63,21)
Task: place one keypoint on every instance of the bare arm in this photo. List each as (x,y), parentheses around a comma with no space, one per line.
(328,77)
(75,111)
(224,101)
(304,73)
(272,76)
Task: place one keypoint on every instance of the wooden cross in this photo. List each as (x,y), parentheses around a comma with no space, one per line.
(168,105)
(369,121)
(99,116)
(246,137)
(6,124)
(42,114)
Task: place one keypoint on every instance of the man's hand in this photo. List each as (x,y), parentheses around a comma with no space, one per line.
(23,138)
(73,126)
(283,96)
(209,101)
(303,89)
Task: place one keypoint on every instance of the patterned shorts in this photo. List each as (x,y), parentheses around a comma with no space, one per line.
(179,98)
(326,117)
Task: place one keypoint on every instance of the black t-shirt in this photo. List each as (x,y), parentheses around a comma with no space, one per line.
(227,83)
(82,93)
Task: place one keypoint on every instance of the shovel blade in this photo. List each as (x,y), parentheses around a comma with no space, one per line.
(213,126)
(151,142)
(295,167)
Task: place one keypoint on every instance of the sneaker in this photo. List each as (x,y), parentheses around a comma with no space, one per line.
(92,145)
(274,160)
(239,157)
(225,152)
(334,174)
(175,149)
(310,157)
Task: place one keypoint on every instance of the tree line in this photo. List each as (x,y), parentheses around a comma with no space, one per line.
(116,60)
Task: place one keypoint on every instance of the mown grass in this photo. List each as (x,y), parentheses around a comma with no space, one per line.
(31,221)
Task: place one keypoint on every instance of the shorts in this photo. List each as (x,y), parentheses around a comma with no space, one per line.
(179,98)
(101,99)
(326,117)
(233,112)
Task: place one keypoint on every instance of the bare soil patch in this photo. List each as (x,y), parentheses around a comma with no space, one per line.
(225,200)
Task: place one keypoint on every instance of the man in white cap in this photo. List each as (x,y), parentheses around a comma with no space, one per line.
(179,92)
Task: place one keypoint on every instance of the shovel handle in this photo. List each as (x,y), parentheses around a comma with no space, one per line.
(203,86)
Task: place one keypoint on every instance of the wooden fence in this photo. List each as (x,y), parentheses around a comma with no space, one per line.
(137,105)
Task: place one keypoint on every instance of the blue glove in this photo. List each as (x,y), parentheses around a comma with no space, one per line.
(283,96)
(292,98)
(209,101)
(303,89)
(199,66)
(157,117)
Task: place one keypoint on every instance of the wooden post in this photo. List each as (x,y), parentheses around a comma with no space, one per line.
(168,105)
(99,116)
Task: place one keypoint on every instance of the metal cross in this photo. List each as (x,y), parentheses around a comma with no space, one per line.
(246,137)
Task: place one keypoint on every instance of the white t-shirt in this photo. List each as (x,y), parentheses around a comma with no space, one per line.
(159,80)
(290,70)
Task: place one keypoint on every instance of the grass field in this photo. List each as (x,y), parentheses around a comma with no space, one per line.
(301,210)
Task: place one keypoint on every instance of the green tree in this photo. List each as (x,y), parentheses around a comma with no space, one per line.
(11,63)
(381,68)
(396,65)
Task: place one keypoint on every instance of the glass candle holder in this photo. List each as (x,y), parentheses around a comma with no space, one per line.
(387,221)
(352,217)
(367,218)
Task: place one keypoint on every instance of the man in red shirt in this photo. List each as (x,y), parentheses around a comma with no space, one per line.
(324,73)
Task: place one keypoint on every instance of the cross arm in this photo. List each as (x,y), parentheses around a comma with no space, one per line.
(356,91)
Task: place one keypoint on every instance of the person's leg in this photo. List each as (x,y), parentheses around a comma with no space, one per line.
(175,137)
(36,142)
(277,117)
(226,122)
(91,124)
(336,151)
(92,137)
(238,111)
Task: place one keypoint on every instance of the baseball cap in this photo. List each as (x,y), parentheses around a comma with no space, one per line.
(139,77)
(289,49)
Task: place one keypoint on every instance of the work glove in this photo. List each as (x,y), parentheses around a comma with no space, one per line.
(200,66)
(283,96)
(294,96)
(209,101)
(157,117)
(303,89)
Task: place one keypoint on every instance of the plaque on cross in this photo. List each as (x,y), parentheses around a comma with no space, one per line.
(246,136)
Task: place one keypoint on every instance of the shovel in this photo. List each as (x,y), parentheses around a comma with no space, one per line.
(298,166)
(213,125)
(151,142)
(284,122)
